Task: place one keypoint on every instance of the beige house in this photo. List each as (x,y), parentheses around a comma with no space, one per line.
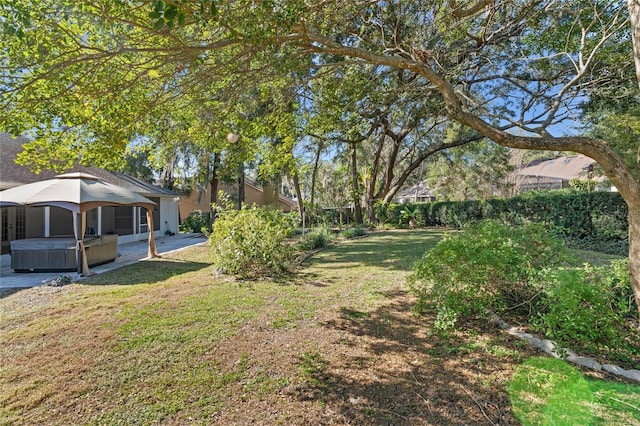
(128,222)
(253,194)
(555,173)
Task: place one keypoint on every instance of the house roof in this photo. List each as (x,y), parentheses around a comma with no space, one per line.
(281,198)
(419,190)
(564,168)
(12,174)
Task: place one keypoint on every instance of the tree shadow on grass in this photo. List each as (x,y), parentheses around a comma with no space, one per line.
(390,371)
(6,292)
(397,250)
(145,272)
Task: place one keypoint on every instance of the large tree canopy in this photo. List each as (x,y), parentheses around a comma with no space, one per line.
(84,77)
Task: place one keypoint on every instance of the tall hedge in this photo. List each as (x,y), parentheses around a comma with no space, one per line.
(590,220)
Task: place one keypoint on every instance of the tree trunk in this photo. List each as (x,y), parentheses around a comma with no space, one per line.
(296,186)
(634,18)
(214,181)
(374,173)
(634,211)
(634,254)
(357,207)
(213,188)
(314,175)
(391,161)
(240,185)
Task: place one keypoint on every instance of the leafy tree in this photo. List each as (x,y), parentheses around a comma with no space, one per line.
(76,72)
(477,171)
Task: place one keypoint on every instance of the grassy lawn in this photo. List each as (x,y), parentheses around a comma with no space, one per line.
(168,341)
(548,391)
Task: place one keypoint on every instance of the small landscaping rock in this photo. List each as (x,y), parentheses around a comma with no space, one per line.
(585,361)
(58,281)
(554,350)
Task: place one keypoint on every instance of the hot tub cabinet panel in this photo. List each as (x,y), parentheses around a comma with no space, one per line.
(59,253)
(101,249)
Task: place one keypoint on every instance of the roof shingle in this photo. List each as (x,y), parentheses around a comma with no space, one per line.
(12,174)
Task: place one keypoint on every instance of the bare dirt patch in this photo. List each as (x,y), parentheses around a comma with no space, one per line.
(372,368)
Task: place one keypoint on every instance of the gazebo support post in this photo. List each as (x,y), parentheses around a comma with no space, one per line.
(152,240)
(81,254)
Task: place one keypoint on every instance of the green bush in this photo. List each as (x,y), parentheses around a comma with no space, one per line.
(197,221)
(589,219)
(251,242)
(315,239)
(521,271)
(411,216)
(489,267)
(382,211)
(590,308)
(357,231)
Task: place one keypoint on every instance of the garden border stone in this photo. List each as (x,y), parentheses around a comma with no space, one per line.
(552,348)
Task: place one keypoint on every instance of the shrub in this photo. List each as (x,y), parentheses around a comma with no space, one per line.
(197,221)
(382,211)
(357,231)
(410,216)
(589,308)
(489,267)
(590,219)
(315,239)
(251,242)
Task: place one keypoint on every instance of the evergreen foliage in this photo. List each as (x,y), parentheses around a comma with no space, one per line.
(316,239)
(251,242)
(592,220)
(590,307)
(197,221)
(522,272)
(486,269)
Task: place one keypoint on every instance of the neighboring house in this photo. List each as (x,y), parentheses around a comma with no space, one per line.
(130,223)
(253,194)
(554,173)
(419,193)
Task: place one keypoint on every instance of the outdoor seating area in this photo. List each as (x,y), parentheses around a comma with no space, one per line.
(55,254)
(127,254)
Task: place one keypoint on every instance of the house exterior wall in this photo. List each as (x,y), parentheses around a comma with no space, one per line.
(195,201)
(35,222)
(60,221)
(169,212)
(253,194)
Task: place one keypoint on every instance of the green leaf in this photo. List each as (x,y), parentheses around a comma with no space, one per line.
(170,13)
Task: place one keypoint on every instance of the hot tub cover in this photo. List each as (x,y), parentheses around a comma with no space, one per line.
(60,243)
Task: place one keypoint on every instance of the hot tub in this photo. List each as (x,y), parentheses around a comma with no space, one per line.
(59,253)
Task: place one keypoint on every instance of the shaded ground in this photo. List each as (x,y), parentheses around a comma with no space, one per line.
(374,368)
(170,342)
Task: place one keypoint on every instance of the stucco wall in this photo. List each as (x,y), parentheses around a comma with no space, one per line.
(252,195)
(168,214)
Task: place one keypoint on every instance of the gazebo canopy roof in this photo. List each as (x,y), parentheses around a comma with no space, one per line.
(78,192)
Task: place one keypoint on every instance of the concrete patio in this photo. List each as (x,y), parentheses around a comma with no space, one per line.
(127,254)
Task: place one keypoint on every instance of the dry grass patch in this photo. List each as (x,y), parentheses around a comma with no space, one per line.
(170,342)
